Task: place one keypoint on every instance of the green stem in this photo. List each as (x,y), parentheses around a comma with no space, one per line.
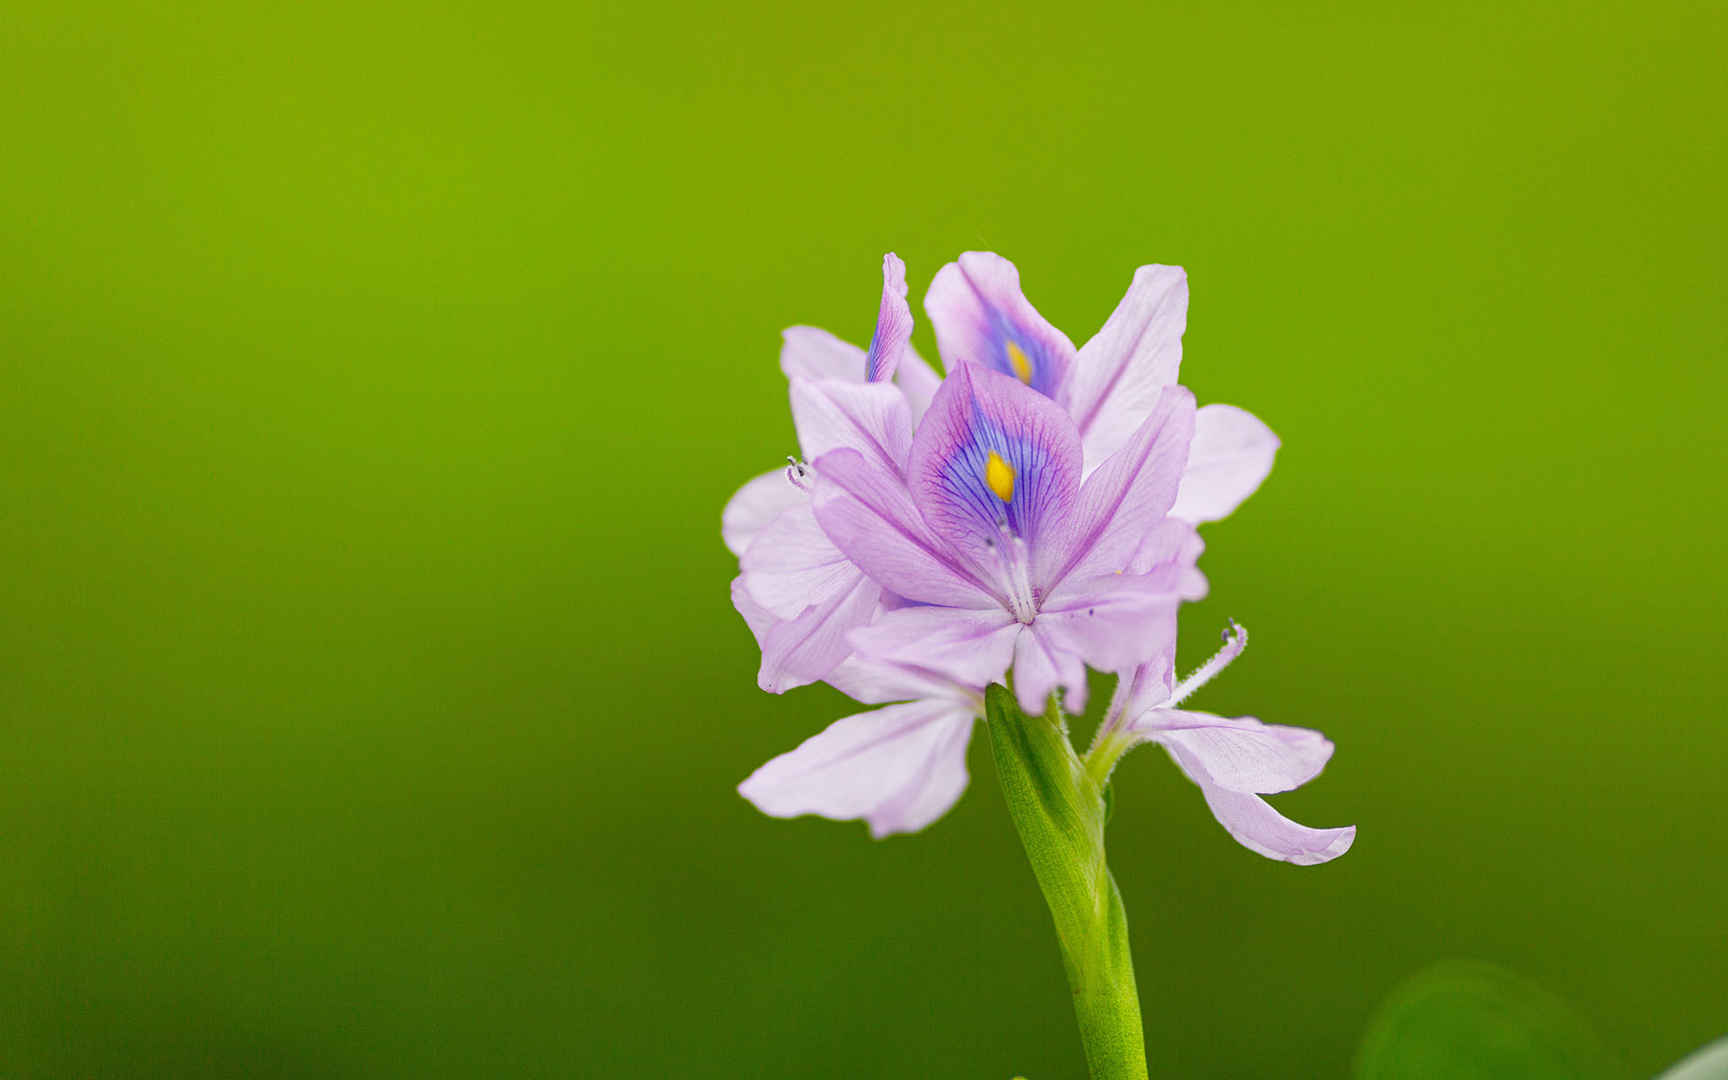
(1057,803)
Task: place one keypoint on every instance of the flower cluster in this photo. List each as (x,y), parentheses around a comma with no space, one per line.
(1025,518)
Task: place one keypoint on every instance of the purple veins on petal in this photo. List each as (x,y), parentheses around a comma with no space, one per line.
(982,318)
(993,466)
(867,512)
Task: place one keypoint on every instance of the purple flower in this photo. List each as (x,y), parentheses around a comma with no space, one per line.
(1037,520)
(1011,563)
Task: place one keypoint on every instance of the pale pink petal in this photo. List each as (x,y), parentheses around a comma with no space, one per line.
(1193,584)
(758,618)
(1231,455)
(1128,495)
(1238,753)
(1042,666)
(755,505)
(871,418)
(868,513)
(1121,371)
(1231,760)
(1142,687)
(792,564)
(809,353)
(1261,829)
(802,650)
(1168,550)
(972,648)
(899,768)
(876,682)
(918,380)
(982,318)
(1113,622)
(1708,1063)
(893,323)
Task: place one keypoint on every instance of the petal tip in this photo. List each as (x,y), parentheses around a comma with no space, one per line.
(1338,841)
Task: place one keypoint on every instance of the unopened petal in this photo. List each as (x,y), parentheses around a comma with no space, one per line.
(893,323)
(899,768)
(1231,455)
(1120,372)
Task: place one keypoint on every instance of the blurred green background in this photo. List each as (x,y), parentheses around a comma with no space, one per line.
(374,377)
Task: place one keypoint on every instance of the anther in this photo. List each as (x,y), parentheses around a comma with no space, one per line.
(1235,640)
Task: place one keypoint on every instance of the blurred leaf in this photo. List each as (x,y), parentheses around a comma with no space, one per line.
(1468,1020)
(1710,1063)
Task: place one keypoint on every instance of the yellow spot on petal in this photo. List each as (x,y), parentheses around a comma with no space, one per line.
(1000,476)
(1022,366)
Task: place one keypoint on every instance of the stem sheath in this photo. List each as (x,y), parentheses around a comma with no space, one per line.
(1058,808)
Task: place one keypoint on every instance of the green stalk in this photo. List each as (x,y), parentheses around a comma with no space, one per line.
(1057,801)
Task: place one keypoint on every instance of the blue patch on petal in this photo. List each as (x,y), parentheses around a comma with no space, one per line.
(1021,355)
(965,475)
(995,470)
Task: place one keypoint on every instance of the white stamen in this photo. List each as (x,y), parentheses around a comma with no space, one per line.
(1016,577)
(796,471)
(1235,640)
